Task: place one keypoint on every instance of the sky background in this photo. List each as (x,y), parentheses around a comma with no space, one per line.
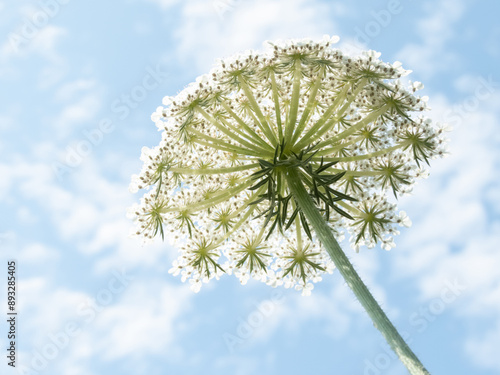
(78,82)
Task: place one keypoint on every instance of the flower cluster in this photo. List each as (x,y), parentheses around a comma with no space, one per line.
(216,183)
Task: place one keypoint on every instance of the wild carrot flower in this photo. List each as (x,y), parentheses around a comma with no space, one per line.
(217,180)
(271,158)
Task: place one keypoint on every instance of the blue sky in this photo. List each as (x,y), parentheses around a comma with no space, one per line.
(79,81)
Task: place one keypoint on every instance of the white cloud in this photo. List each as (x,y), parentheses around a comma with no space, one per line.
(82,111)
(46,41)
(449,209)
(68,91)
(209,30)
(238,364)
(164,4)
(290,311)
(48,307)
(126,319)
(37,253)
(484,349)
(43,43)
(88,212)
(456,230)
(140,322)
(435,30)
(6,122)
(437,26)
(149,330)
(26,215)
(491,44)
(143,322)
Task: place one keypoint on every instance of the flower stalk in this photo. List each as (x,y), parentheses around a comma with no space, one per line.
(346,269)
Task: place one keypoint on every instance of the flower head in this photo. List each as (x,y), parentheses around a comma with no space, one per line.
(217,180)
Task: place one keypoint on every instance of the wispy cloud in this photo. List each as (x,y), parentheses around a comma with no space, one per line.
(203,35)
(456,229)
(439,25)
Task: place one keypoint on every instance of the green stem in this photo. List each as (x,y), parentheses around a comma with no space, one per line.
(244,126)
(354,173)
(372,117)
(277,106)
(250,113)
(237,226)
(294,104)
(229,132)
(379,318)
(251,138)
(268,132)
(208,171)
(309,106)
(218,144)
(319,128)
(322,126)
(339,147)
(348,207)
(221,196)
(364,156)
